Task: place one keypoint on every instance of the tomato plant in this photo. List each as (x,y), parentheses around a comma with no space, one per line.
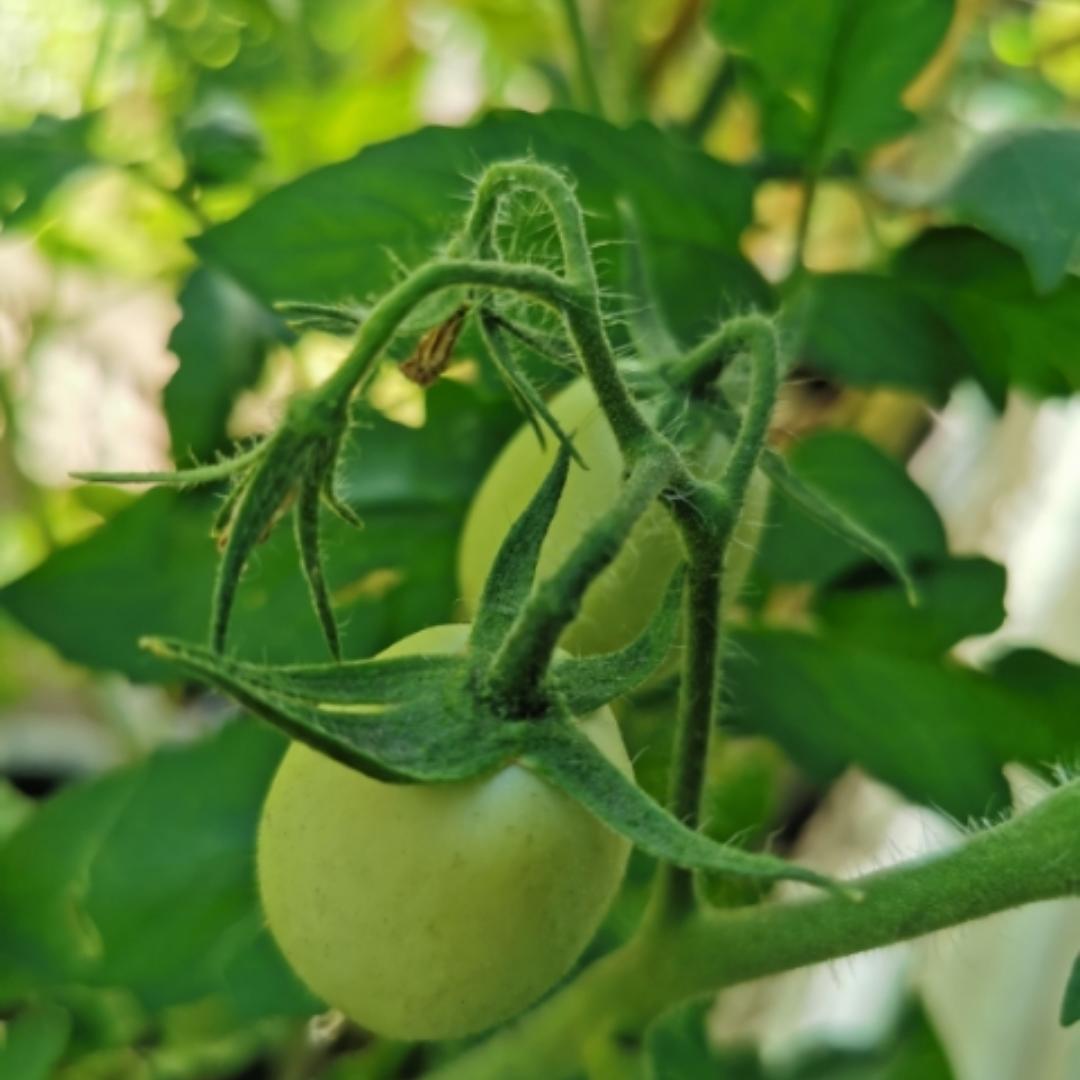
(702,370)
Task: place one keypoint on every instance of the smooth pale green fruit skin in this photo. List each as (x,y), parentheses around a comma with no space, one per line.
(620,602)
(434,911)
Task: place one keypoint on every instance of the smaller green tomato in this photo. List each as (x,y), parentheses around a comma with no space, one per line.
(621,600)
(434,911)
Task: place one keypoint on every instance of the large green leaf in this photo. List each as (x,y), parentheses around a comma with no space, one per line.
(844,62)
(145,878)
(936,732)
(339,232)
(865,483)
(871,331)
(149,569)
(221,342)
(1021,187)
(1011,333)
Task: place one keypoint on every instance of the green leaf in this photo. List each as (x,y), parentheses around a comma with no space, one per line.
(845,62)
(938,733)
(32,1044)
(1070,1004)
(588,682)
(1011,334)
(221,341)
(35,160)
(337,232)
(870,331)
(865,484)
(144,878)
(561,754)
(1020,187)
(959,598)
(95,599)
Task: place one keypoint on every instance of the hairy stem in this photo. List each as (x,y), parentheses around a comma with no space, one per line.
(583,318)
(387,315)
(1033,857)
(517,672)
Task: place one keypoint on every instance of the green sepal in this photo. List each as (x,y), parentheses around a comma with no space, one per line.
(529,399)
(435,737)
(587,683)
(339,319)
(566,757)
(1070,1003)
(306,520)
(390,680)
(509,582)
(193,477)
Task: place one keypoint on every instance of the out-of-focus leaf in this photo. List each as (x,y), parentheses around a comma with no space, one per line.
(335,233)
(32,1044)
(936,732)
(1012,334)
(149,569)
(1070,1004)
(145,879)
(1021,188)
(35,160)
(14,808)
(221,342)
(870,331)
(220,143)
(960,597)
(846,62)
(865,483)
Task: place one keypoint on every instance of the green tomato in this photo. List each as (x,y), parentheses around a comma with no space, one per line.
(621,600)
(431,911)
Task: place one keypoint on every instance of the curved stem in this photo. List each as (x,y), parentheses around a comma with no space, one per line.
(1030,858)
(584,319)
(387,315)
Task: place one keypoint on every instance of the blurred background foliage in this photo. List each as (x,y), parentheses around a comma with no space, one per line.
(896,178)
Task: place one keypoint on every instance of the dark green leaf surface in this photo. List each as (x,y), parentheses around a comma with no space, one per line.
(1012,334)
(329,236)
(144,878)
(870,487)
(221,342)
(37,159)
(960,597)
(32,1044)
(871,331)
(1021,187)
(846,62)
(937,732)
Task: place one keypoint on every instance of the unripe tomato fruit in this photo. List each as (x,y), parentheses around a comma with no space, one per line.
(621,600)
(430,911)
